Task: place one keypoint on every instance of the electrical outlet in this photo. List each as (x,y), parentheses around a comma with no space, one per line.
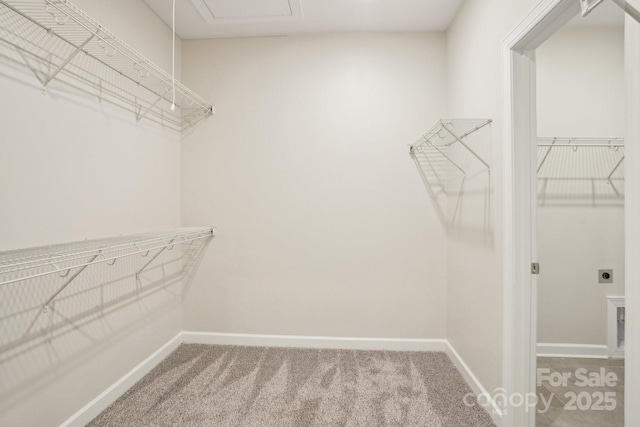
(605,276)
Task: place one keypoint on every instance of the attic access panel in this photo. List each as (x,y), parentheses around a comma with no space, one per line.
(248,8)
(248,11)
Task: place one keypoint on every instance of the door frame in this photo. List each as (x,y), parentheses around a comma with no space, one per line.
(520,198)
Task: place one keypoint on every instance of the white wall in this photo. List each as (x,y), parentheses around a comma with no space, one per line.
(72,168)
(580,92)
(325,228)
(474,263)
(580,83)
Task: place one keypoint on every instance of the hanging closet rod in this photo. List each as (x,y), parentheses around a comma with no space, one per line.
(100,254)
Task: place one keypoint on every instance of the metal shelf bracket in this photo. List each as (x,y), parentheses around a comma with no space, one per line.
(45,306)
(60,67)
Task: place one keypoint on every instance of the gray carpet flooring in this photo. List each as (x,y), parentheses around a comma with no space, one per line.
(201,385)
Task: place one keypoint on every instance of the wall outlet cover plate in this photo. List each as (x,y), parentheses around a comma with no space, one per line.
(605,276)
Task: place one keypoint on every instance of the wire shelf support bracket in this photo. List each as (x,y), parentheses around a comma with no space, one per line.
(26,264)
(54,38)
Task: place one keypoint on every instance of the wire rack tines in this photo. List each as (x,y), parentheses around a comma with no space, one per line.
(70,259)
(57,40)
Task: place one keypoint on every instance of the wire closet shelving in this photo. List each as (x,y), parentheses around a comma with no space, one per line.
(57,40)
(69,260)
(433,145)
(444,148)
(572,168)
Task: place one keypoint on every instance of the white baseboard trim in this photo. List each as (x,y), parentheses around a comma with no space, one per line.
(476,386)
(110,395)
(572,350)
(343,343)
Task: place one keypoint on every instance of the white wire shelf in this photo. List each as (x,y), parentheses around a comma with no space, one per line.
(57,40)
(446,132)
(571,169)
(431,151)
(70,259)
(580,158)
(445,157)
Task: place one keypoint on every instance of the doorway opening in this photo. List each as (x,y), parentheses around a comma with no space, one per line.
(521,200)
(579,240)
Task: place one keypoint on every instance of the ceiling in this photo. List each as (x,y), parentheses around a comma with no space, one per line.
(199,19)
